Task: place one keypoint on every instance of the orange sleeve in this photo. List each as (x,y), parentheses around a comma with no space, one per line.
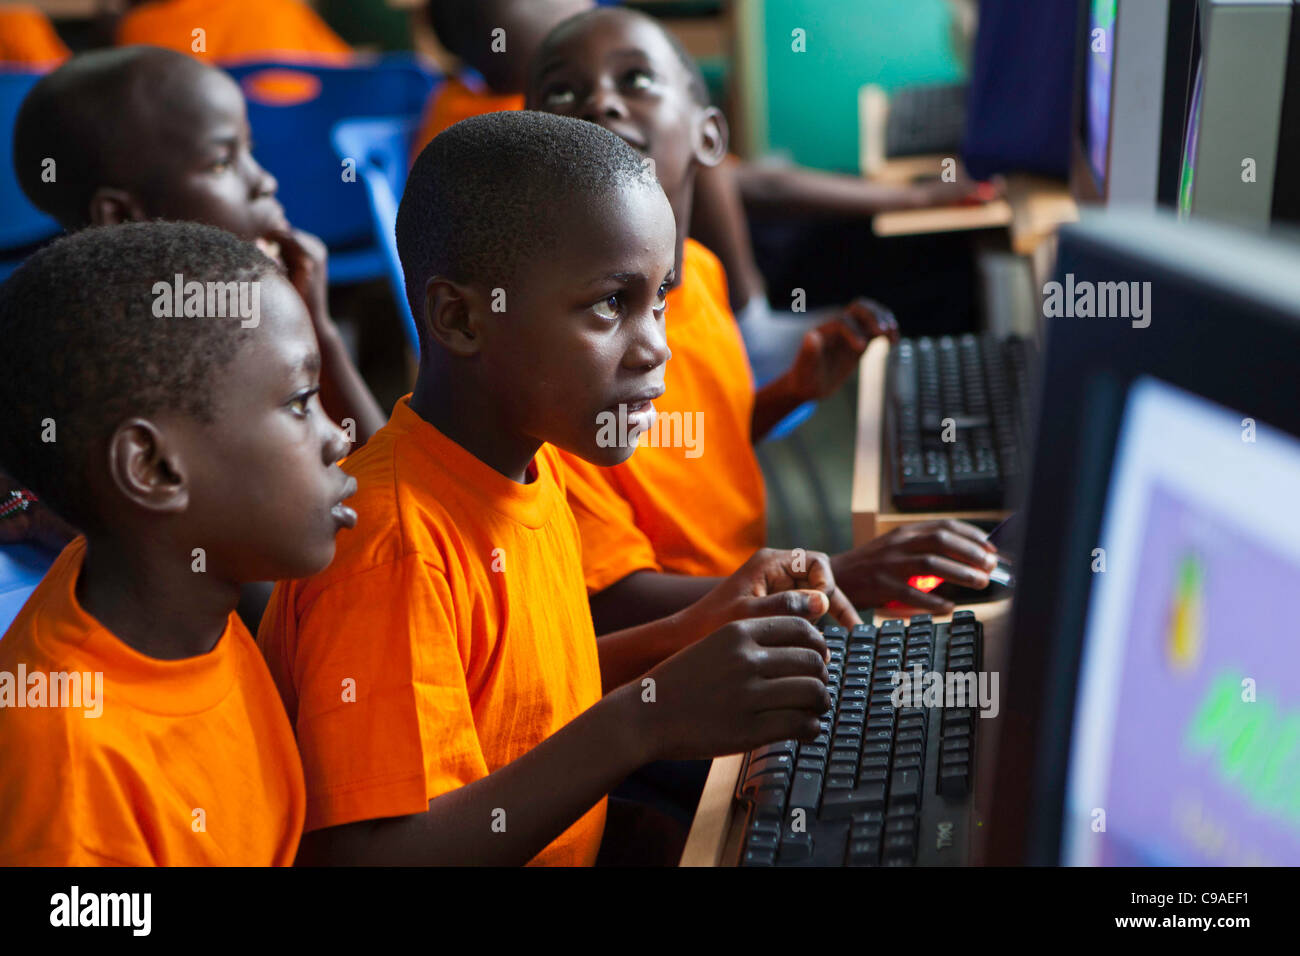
(612,544)
(235,28)
(28,37)
(384,720)
(451,102)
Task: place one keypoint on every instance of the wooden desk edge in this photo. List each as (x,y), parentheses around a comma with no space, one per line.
(711,826)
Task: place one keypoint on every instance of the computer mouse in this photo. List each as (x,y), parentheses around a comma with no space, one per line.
(1001,582)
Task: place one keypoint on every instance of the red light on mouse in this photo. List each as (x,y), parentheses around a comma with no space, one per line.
(924,582)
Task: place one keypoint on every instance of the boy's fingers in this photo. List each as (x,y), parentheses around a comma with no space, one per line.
(808,694)
(801,603)
(951,545)
(792,662)
(948,569)
(967,530)
(842,609)
(901,591)
(788,632)
(773,725)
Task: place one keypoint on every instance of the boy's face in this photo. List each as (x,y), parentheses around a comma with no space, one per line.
(583,333)
(619,71)
(264,489)
(526,23)
(201,165)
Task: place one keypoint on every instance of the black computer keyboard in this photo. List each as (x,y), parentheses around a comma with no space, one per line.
(926,119)
(956,420)
(880,785)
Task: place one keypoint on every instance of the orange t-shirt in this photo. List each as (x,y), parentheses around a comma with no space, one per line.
(28,37)
(231,28)
(450,636)
(171,739)
(454,101)
(695,503)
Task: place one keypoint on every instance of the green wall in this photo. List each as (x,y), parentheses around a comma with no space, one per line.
(812,97)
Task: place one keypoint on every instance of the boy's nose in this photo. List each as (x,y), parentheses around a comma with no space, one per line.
(651,348)
(603,102)
(336,443)
(264,184)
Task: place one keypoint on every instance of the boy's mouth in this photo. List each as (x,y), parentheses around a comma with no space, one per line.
(341,513)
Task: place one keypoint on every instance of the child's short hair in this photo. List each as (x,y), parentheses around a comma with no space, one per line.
(484,195)
(695,81)
(84,348)
(72,115)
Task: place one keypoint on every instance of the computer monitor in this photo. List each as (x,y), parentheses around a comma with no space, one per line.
(1152,705)
(1132,84)
(1241,152)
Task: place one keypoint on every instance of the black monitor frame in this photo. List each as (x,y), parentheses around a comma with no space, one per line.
(1209,335)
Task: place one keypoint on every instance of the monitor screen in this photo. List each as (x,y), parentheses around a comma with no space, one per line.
(1099,73)
(1185,748)
(1189,148)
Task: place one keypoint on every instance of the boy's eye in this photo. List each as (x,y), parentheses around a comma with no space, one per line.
(639,79)
(661,299)
(559,96)
(300,404)
(610,307)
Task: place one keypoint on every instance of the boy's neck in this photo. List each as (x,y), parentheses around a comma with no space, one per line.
(154,603)
(458,409)
(681,199)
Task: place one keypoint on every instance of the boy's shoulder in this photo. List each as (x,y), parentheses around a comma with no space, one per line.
(420,495)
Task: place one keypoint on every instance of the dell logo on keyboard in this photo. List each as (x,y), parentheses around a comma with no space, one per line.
(945,837)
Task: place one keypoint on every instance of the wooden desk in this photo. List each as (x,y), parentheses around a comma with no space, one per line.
(715,834)
(873,510)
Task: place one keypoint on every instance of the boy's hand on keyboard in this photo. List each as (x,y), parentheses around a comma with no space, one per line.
(772,582)
(830,352)
(748,683)
(878,571)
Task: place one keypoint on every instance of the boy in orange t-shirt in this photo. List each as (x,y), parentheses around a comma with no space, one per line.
(27,38)
(232,29)
(451,702)
(658,530)
(138,724)
(494,41)
(144,133)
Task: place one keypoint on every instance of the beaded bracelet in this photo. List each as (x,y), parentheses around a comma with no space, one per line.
(20,499)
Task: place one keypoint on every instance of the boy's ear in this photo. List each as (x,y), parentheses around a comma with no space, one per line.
(712,136)
(449,316)
(110,206)
(146,469)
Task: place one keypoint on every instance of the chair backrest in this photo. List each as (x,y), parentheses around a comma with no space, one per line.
(379,147)
(292,108)
(21,223)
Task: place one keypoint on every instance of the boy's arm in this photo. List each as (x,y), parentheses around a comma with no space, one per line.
(343,392)
(827,357)
(797,583)
(750,683)
(718,222)
(645,596)
(794,191)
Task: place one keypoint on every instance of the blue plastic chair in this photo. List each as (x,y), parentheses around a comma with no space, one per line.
(292,109)
(380,147)
(22,225)
(21,568)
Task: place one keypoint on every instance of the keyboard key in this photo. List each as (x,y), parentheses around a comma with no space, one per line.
(806,790)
